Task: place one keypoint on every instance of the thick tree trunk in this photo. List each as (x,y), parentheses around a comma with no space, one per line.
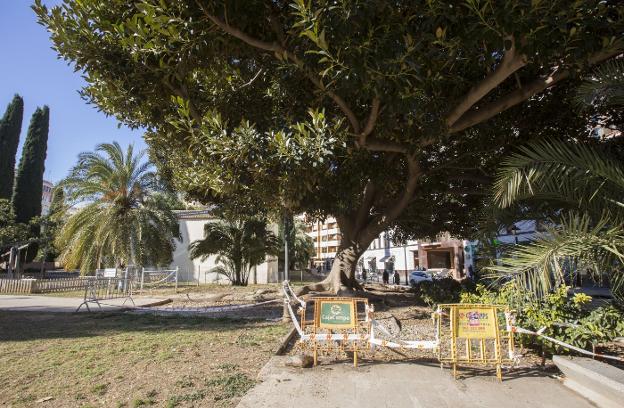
(341,279)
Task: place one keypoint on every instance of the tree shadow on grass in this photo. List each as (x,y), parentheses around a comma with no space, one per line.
(24,326)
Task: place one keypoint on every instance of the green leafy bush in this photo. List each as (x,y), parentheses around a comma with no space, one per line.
(445,290)
(566,317)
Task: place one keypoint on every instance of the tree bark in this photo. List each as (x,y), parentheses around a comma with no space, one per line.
(341,279)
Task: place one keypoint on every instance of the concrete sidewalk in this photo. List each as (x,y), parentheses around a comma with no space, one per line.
(399,385)
(55,304)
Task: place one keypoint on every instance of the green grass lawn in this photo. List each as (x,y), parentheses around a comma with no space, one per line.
(120,360)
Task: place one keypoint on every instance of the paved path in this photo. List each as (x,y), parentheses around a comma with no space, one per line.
(401,385)
(64,304)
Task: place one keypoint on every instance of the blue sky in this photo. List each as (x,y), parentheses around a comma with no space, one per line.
(30,68)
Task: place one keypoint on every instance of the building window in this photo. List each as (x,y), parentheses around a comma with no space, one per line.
(440,259)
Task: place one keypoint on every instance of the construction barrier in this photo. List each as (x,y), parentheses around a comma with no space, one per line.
(474,334)
(465,334)
(99,289)
(153,278)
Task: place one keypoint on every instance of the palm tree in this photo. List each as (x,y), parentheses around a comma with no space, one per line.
(300,245)
(239,245)
(605,87)
(123,217)
(584,183)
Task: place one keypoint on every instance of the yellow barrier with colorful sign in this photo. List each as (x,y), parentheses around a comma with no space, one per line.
(474,334)
(475,322)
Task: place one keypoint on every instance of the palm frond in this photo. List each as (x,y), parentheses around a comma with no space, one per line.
(574,244)
(605,86)
(585,177)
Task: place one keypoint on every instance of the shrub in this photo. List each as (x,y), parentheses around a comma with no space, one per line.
(445,290)
(566,317)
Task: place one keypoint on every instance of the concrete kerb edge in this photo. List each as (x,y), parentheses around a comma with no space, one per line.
(281,349)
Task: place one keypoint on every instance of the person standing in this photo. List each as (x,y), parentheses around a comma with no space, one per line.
(386,277)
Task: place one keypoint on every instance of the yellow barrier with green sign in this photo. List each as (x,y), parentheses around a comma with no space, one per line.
(336,314)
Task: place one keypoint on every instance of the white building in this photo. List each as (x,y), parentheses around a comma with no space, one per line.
(520,232)
(191,229)
(46,197)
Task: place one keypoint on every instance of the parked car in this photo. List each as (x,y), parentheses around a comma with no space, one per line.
(417,277)
(439,273)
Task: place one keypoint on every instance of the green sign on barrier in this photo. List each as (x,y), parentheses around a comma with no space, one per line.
(336,314)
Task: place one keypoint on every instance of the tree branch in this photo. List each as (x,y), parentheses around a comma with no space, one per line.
(364,211)
(278,49)
(370,123)
(376,145)
(380,222)
(520,95)
(510,63)
(410,187)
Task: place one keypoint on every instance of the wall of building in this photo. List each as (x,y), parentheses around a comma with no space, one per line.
(191,229)
(46,197)
(327,237)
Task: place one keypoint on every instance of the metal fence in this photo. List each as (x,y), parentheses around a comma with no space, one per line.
(100,289)
(154,278)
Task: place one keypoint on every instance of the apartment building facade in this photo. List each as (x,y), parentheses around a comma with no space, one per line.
(444,253)
(327,238)
(46,197)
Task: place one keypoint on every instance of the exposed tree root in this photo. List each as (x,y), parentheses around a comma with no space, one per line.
(353,289)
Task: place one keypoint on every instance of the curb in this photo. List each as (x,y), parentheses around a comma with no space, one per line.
(285,341)
(596,381)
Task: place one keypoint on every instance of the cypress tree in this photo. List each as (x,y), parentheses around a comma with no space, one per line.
(29,180)
(10,127)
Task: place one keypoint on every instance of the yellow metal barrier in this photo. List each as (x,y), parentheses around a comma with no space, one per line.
(474,334)
(337,327)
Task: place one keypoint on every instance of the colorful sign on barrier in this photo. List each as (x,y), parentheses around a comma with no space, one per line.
(336,314)
(475,322)
(476,336)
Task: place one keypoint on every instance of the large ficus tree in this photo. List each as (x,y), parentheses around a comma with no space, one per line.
(384,114)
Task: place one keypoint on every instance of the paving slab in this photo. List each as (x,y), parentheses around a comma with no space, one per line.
(398,385)
(54,304)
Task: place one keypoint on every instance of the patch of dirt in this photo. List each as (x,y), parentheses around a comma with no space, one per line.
(211,301)
(416,323)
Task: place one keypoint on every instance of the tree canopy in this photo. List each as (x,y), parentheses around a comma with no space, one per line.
(385,114)
(28,187)
(10,128)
